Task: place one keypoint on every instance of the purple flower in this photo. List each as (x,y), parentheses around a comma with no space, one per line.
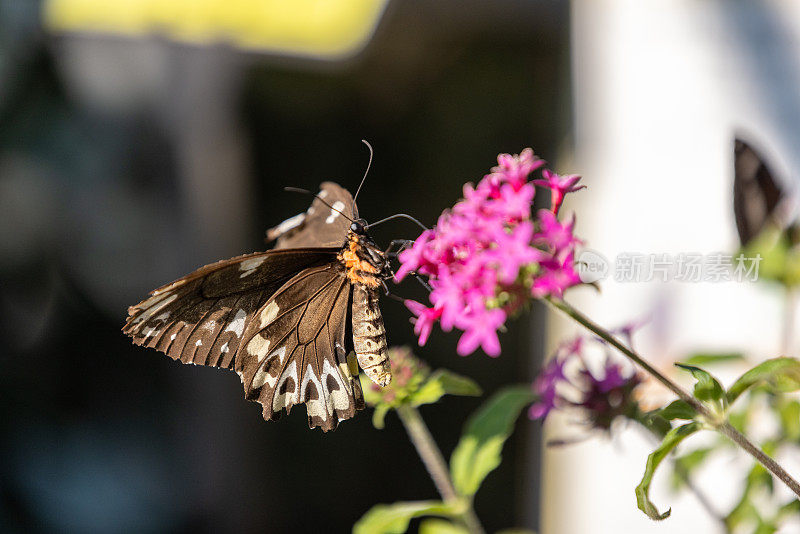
(605,398)
(601,397)
(544,386)
(559,186)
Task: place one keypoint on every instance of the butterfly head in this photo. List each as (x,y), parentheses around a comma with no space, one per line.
(359,227)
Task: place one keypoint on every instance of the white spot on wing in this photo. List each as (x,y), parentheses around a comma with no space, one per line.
(198,343)
(237,325)
(334,399)
(172,337)
(248,267)
(269,313)
(224,348)
(314,407)
(281,400)
(290,223)
(258,346)
(150,332)
(163,317)
(154,304)
(262,377)
(337,207)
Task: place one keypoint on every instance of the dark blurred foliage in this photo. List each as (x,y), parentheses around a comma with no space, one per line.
(126,164)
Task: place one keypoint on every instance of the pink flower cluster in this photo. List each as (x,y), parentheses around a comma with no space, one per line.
(488,255)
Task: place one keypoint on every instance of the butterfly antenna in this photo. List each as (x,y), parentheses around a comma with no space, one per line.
(369,164)
(398,216)
(307,192)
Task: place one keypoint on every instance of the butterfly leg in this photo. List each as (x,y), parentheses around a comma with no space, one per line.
(402,243)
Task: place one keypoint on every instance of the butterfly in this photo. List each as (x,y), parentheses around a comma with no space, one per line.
(284,319)
(757,196)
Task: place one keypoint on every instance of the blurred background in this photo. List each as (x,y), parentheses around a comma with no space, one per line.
(142,139)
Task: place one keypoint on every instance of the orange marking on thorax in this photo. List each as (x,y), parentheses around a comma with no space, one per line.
(358,270)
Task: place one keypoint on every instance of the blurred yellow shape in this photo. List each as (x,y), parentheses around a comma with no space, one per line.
(320,28)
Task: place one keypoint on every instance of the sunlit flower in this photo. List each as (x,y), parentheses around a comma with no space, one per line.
(559,186)
(487,256)
(425,319)
(556,277)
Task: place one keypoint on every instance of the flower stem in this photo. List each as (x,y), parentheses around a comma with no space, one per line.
(705,414)
(435,464)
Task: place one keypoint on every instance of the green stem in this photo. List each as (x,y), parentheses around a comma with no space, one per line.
(705,414)
(434,462)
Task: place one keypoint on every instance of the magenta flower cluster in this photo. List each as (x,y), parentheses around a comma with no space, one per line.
(488,255)
(567,381)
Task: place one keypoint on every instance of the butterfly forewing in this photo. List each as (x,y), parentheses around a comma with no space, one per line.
(321,225)
(201,317)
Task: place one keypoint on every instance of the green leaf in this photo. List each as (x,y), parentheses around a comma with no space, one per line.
(743,512)
(739,420)
(478,452)
(684,465)
(379,415)
(371,397)
(670,441)
(765,527)
(782,374)
(444,382)
(788,510)
(780,257)
(655,423)
(394,518)
(707,388)
(678,409)
(707,358)
(790,419)
(440,526)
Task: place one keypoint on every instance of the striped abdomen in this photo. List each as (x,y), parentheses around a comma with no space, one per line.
(369,335)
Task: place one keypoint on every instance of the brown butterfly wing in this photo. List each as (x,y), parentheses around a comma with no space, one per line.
(201,317)
(278,318)
(294,350)
(756,194)
(320,225)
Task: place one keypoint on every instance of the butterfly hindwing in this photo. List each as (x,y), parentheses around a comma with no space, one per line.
(294,351)
(320,225)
